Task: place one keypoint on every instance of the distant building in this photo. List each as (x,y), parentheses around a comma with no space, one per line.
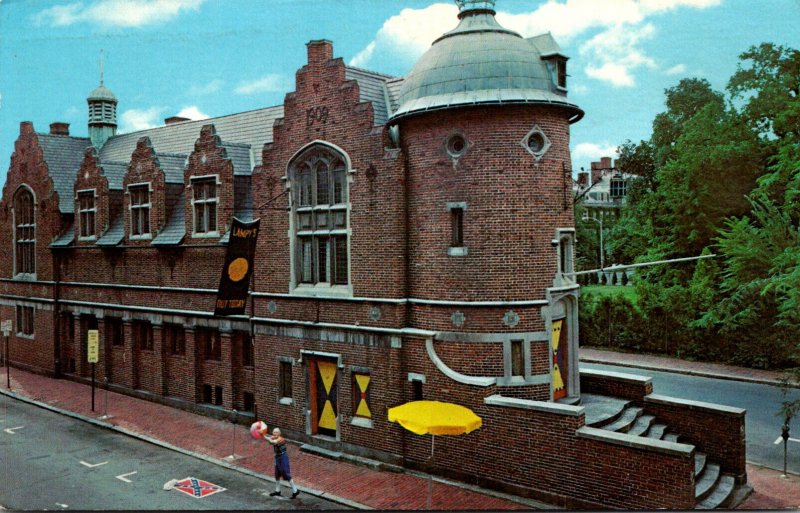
(602,191)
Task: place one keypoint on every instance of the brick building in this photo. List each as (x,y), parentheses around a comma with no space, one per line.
(414,237)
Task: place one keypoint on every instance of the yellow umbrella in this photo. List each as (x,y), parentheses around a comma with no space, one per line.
(435,418)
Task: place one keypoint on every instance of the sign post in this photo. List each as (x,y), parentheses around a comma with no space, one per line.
(5,326)
(92,353)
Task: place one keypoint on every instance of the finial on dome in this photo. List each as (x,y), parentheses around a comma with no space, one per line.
(101,66)
(468,6)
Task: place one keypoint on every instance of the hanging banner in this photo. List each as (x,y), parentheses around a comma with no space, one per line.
(235,281)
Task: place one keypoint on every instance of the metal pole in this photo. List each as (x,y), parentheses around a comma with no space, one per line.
(93,369)
(233,452)
(430,475)
(8,366)
(105,407)
(785,455)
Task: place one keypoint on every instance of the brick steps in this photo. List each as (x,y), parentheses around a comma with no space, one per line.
(713,489)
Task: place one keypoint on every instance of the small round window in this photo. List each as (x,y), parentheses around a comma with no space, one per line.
(456,145)
(536,142)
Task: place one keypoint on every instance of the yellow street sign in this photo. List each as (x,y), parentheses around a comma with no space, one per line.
(93,351)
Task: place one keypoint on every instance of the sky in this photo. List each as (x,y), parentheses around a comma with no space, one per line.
(209,58)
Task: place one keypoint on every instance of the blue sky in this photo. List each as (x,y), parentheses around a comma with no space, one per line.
(207,58)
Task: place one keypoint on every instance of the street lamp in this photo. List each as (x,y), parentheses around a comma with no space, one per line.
(600,220)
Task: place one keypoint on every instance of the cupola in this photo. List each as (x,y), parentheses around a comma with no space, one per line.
(102,113)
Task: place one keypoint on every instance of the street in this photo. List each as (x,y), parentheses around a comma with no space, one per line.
(55,462)
(762,426)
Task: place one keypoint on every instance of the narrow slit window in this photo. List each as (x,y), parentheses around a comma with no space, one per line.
(457,223)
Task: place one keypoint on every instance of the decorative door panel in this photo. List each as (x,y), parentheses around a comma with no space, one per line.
(325,397)
(560,370)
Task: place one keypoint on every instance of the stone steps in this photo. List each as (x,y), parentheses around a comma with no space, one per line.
(713,489)
(721,495)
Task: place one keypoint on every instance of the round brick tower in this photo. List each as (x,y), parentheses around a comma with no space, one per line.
(483,120)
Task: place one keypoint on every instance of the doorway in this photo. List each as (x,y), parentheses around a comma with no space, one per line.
(323,384)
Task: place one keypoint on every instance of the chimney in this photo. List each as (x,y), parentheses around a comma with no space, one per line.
(59,128)
(583,179)
(597,172)
(175,119)
(319,51)
(605,162)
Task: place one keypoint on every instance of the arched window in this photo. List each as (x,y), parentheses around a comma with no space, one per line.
(319,210)
(24,233)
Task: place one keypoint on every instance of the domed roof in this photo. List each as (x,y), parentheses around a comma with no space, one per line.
(480,62)
(102,93)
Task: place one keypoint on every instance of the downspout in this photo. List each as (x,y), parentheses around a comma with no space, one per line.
(56,313)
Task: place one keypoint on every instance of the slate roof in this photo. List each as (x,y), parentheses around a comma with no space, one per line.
(114,173)
(253,128)
(175,230)
(115,232)
(241,157)
(172,165)
(65,239)
(393,91)
(372,88)
(63,155)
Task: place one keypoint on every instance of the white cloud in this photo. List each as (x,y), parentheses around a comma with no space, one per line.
(272,83)
(118,13)
(204,89)
(584,153)
(676,70)
(407,35)
(411,32)
(141,119)
(193,113)
(614,54)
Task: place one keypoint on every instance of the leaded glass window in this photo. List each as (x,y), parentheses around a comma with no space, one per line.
(320,207)
(24,232)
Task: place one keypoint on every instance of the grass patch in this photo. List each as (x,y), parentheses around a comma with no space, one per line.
(628,293)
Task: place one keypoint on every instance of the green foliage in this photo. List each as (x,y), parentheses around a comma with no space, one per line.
(723,175)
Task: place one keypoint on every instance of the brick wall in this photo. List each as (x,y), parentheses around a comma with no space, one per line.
(718,431)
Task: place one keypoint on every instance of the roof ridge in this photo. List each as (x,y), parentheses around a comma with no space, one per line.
(39,134)
(240,144)
(184,123)
(369,71)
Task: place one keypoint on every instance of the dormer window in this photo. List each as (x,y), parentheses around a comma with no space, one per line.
(86,214)
(204,205)
(140,210)
(557,66)
(618,187)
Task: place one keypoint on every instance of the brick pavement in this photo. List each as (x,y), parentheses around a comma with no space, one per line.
(340,481)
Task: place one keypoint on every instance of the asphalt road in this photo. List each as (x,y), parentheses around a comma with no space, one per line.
(762,426)
(54,462)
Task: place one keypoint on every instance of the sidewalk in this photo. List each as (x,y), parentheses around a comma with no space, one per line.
(663,363)
(343,482)
(770,490)
(213,440)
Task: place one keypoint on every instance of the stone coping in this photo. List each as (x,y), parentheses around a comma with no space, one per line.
(636,442)
(621,376)
(542,406)
(694,405)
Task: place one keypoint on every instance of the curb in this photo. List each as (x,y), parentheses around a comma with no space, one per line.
(690,372)
(160,443)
